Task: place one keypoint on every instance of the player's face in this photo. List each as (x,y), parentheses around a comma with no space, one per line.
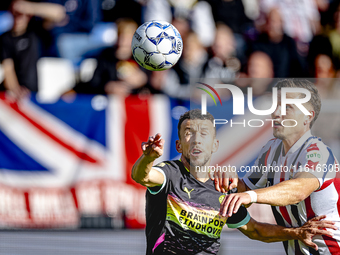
(287,131)
(197,141)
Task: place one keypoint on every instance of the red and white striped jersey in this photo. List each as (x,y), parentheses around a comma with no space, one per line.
(310,154)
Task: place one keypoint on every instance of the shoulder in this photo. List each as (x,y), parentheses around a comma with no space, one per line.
(317,151)
(170,168)
(175,164)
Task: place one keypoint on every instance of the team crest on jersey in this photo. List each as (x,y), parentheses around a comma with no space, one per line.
(220,199)
(314,156)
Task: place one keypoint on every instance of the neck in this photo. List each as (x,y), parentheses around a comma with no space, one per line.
(288,143)
(199,175)
(17,33)
(277,38)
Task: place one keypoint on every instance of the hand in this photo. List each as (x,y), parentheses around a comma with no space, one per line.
(231,203)
(153,148)
(313,227)
(224,180)
(16,93)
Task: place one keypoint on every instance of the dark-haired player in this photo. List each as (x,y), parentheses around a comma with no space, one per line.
(305,185)
(182,205)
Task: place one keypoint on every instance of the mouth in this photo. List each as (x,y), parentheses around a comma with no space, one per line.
(195,152)
(277,124)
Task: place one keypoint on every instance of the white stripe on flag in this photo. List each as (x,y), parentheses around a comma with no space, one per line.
(160,122)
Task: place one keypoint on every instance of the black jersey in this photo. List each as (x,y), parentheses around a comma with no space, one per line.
(24,51)
(182,216)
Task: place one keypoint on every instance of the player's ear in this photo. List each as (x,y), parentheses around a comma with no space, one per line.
(309,118)
(215,145)
(178,146)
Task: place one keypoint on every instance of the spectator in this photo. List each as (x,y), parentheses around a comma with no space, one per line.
(116,73)
(230,13)
(301,19)
(260,74)
(280,47)
(324,74)
(233,14)
(334,37)
(80,31)
(222,64)
(198,13)
(319,45)
(177,80)
(20,46)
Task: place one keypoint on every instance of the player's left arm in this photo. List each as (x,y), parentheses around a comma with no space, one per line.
(284,193)
(273,233)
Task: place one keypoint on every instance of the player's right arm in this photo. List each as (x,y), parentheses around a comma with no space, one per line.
(142,171)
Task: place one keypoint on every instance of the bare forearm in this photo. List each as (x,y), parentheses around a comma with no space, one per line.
(11,80)
(267,232)
(49,11)
(273,233)
(287,192)
(141,169)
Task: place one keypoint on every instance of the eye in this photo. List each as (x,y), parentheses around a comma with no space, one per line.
(188,132)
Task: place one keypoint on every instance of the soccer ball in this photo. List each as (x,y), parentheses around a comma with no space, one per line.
(157,45)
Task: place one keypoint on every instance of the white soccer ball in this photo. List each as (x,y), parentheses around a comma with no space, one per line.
(157,45)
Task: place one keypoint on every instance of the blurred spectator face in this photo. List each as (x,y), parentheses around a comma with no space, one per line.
(260,66)
(323,5)
(126,30)
(20,20)
(274,24)
(193,49)
(224,44)
(323,67)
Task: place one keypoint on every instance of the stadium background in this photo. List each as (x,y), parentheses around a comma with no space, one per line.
(66,151)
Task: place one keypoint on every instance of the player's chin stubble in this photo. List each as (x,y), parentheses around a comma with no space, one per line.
(278,135)
(194,164)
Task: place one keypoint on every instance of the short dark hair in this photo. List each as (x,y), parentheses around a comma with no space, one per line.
(315,100)
(194,114)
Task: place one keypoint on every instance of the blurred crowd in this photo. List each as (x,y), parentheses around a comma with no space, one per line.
(223,39)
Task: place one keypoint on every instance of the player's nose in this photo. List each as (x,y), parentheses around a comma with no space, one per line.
(277,112)
(196,139)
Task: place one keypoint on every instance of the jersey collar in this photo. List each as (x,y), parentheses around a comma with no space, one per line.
(299,142)
(184,165)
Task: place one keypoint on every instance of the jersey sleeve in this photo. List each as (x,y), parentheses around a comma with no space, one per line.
(238,219)
(317,159)
(257,176)
(169,170)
